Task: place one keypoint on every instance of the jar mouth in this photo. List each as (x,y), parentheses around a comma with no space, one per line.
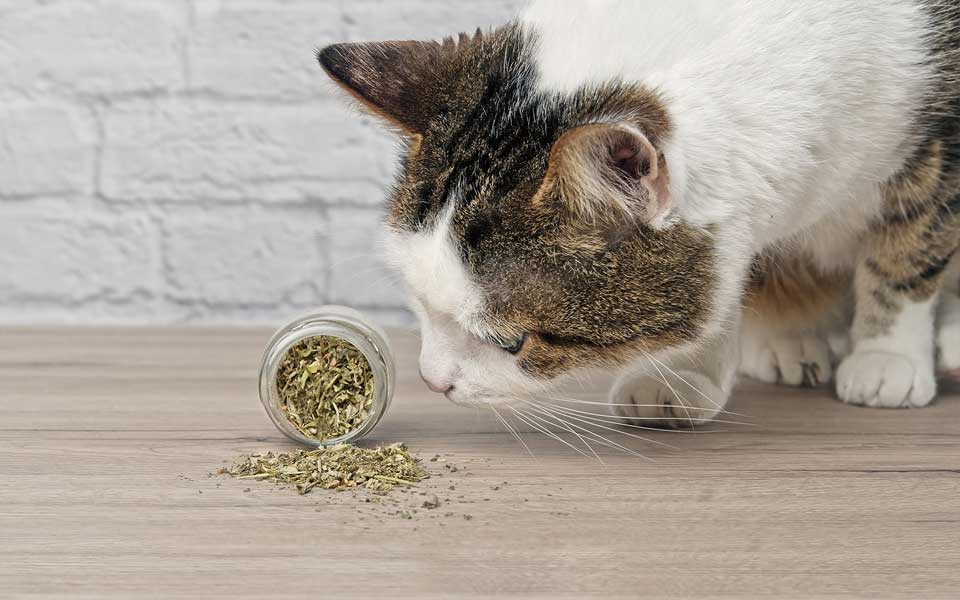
(346,325)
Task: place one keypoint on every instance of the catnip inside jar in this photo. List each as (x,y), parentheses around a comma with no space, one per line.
(327,378)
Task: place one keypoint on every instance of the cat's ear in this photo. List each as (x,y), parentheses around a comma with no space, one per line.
(394,80)
(608,171)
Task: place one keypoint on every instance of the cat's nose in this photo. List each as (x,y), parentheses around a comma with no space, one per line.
(439,386)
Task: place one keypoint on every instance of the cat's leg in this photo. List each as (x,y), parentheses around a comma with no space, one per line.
(795,320)
(684,391)
(948,323)
(897,285)
(801,356)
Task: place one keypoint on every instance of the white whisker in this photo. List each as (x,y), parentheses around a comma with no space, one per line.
(611,421)
(625,418)
(613,416)
(693,387)
(597,438)
(565,426)
(510,428)
(633,435)
(598,403)
(546,432)
(600,439)
(673,391)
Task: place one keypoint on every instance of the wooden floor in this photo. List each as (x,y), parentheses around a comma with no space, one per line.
(108,439)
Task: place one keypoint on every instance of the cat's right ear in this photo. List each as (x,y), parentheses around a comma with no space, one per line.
(393,80)
(608,172)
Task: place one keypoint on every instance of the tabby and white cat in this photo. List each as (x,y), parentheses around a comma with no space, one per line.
(675,190)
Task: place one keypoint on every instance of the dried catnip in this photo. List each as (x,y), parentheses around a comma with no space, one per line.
(334,468)
(325,386)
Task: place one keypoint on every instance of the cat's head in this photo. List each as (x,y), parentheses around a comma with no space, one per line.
(538,232)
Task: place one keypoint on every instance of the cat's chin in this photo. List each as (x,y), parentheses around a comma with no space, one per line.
(473,399)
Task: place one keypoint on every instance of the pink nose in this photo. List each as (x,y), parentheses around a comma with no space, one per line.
(440,387)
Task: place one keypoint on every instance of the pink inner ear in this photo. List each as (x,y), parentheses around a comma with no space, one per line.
(630,160)
(636,159)
(627,162)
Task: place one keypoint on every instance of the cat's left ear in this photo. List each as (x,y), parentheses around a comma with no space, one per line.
(608,172)
(394,80)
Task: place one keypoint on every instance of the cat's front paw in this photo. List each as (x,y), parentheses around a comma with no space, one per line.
(684,399)
(803,360)
(886,380)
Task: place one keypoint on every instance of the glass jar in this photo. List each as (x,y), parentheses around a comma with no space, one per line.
(351,326)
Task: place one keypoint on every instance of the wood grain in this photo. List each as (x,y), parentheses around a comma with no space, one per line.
(108,437)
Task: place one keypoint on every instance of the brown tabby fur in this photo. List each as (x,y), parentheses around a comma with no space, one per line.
(575,286)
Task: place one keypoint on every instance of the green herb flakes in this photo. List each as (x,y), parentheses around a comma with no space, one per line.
(335,468)
(325,386)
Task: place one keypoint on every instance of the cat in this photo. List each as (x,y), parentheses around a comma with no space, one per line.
(678,191)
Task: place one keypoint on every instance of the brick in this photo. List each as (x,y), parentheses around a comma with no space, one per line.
(45,150)
(103,47)
(253,48)
(54,253)
(253,193)
(244,255)
(193,150)
(358,275)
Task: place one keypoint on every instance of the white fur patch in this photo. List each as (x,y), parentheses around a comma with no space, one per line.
(433,270)
(448,302)
(895,370)
(782,110)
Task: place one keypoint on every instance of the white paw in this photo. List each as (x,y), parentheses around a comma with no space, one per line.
(688,399)
(800,360)
(885,380)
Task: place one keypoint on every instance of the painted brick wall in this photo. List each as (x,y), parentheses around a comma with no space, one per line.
(186,161)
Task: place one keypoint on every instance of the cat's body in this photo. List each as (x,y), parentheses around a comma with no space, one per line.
(610,183)
(764,95)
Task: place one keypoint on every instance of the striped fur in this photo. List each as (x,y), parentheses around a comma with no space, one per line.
(829,160)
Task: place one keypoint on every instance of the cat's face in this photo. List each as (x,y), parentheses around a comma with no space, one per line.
(535,231)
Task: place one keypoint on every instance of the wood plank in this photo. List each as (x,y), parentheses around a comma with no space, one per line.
(107,438)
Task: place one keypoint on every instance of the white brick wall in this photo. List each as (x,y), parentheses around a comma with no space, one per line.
(186,161)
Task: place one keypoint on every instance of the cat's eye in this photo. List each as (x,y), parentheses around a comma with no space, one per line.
(511,345)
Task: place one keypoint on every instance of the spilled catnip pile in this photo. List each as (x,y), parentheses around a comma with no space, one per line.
(335,468)
(325,386)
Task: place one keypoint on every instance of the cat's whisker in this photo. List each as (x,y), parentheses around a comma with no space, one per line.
(690,385)
(598,420)
(626,433)
(527,419)
(510,428)
(611,416)
(597,438)
(601,439)
(564,425)
(593,417)
(599,403)
(675,394)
